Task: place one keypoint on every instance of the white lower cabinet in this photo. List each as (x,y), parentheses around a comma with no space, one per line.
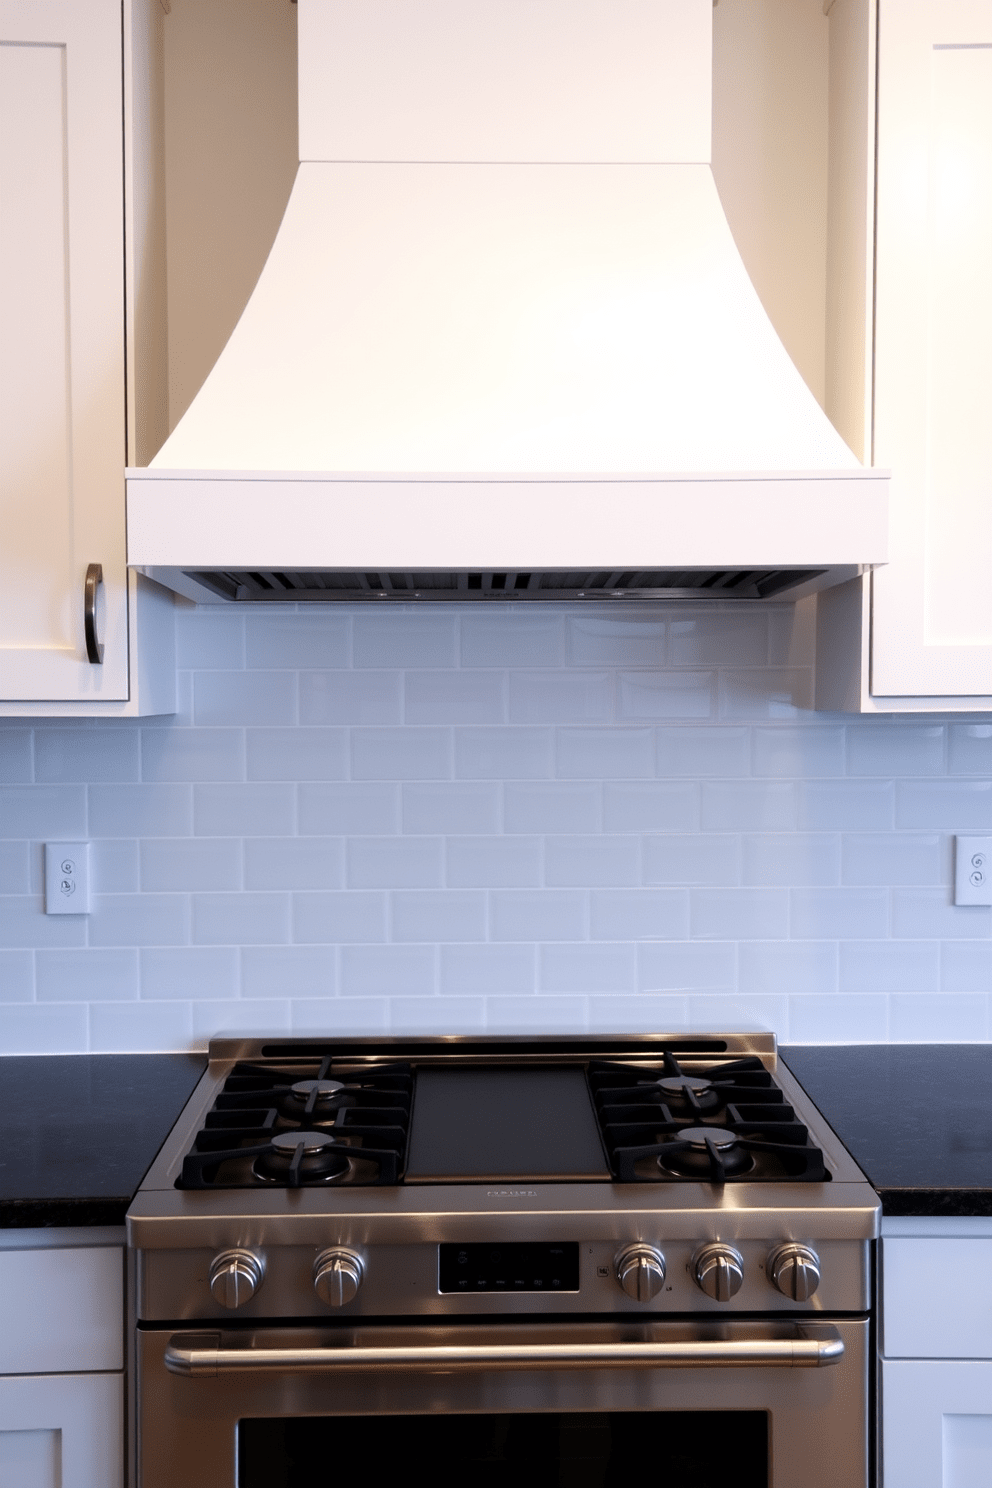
(936,1341)
(61,1360)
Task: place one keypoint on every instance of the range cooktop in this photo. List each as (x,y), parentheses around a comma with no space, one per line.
(344,1115)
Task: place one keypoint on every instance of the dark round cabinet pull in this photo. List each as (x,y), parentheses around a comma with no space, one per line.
(94,647)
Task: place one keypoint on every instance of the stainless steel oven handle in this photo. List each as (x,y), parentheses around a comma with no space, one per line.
(183,1356)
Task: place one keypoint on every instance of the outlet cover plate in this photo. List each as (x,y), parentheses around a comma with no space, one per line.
(973,870)
(67,878)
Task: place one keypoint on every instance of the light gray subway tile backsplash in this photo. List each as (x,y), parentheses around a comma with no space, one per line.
(351,697)
(633,915)
(890,966)
(587,968)
(438,916)
(969,749)
(253,810)
(336,919)
(244,697)
(604,753)
(15,755)
(43,811)
(87,976)
(687,858)
(149,810)
(558,806)
(738,914)
(240,919)
(527,638)
(791,858)
(719,637)
(504,753)
(487,970)
(615,640)
(210,638)
(17,975)
(403,636)
(452,807)
(356,808)
(296,639)
(561,697)
(966,966)
(15,868)
(288,971)
(591,862)
(139,919)
(502,819)
(294,863)
(655,806)
(195,973)
(494,862)
(388,971)
(401,754)
(455,697)
(400,863)
(50,1028)
(193,754)
(86,754)
(187,863)
(297,754)
(895,749)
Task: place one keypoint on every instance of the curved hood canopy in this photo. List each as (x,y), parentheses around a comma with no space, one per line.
(504,342)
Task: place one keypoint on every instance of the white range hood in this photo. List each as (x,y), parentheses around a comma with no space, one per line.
(504,343)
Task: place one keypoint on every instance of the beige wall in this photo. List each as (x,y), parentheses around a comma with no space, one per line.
(230,81)
(230,159)
(770,160)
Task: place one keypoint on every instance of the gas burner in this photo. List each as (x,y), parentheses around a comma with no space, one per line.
(312,1098)
(705,1152)
(689,1093)
(301,1157)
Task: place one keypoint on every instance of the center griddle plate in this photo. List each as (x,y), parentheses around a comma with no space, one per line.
(504,1126)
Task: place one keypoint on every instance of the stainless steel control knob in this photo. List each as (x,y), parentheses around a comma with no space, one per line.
(337,1275)
(641,1272)
(795,1270)
(718,1271)
(235,1277)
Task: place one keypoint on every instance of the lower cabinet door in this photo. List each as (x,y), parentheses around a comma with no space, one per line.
(936,1423)
(62,1431)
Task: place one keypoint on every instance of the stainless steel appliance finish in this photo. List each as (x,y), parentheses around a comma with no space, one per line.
(480,1297)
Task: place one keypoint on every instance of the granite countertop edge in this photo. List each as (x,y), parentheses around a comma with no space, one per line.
(80,1131)
(842,1080)
(916,1118)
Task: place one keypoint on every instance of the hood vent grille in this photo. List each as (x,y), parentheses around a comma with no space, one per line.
(550,584)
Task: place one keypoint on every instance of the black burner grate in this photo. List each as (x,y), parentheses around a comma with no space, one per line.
(357,1117)
(717,1122)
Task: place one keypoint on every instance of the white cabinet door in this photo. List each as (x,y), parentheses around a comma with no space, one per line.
(931,608)
(62,1431)
(62,418)
(936,1424)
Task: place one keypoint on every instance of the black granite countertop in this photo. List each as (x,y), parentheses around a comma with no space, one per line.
(78,1132)
(916,1118)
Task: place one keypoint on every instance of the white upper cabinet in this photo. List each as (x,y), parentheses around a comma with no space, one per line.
(62,365)
(919,637)
(932,616)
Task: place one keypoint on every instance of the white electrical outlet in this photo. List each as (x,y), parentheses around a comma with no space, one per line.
(973,870)
(67,878)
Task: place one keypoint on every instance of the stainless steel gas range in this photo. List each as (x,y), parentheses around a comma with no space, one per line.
(560,1259)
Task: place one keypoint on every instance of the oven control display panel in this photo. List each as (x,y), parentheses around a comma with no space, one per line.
(508,1268)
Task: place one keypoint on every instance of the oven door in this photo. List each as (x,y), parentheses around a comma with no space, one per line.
(577,1405)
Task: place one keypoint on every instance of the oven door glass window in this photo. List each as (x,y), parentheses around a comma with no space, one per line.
(628,1449)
